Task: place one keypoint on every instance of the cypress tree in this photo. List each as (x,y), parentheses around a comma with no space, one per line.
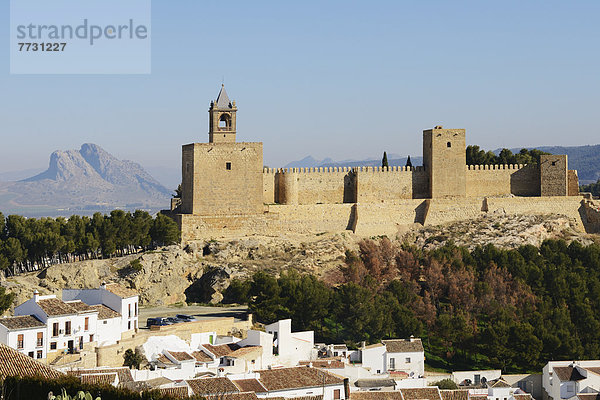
(384,162)
(408,162)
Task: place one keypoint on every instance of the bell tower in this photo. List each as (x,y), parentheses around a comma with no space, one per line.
(222,119)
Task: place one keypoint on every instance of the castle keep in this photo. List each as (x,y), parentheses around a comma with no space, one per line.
(226,190)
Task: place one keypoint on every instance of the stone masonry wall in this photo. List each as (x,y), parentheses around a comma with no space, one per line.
(384,185)
(227,178)
(502,180)
(573,183)
(553,175)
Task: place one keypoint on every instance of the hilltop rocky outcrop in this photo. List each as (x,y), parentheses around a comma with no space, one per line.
(200,272)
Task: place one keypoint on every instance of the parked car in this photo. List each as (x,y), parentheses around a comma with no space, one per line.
(174,320)
(186,318)
(158,321)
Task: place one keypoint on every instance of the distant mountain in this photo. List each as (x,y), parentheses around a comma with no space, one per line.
(11,176)
(83,181)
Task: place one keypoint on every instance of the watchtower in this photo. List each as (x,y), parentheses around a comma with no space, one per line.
(445,159)
(222,116)
(222,177)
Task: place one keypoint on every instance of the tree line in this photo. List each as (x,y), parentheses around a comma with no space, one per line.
(486,308)
(593,188)
(29,244)
(477,156)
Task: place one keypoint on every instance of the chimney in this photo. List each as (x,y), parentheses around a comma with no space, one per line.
(363,344)
(103,285)
(412,338)
(36,295)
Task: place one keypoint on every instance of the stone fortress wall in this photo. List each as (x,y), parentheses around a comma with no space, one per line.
(227,192)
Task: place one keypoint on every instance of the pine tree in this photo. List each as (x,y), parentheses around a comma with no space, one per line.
(384,162)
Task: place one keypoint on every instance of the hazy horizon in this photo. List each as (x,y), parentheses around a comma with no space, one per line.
(346,80)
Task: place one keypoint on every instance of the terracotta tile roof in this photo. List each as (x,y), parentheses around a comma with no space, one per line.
(295,378)
(181,355)
(244,351)
(403,345)
(399,374)
(430,393)
(460,394)
(156,382)
(105,312)
(214,386)
(163,359)
(237,396)
(500,383)
(54,307)
(121,291)
(22,322)
(372,346)
(221,350)
(249,385)
(179,392)
(527,396)
(567,374)
(340,347)
(333,364)
(80,306)
(99,379)
(13,363)
(478,397)
(393,395)
(595,370)
(123,372)
(201,356)
(375,383)
(581,396)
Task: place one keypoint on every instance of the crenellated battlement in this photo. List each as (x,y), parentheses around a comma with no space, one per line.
(340,170)
(493,167)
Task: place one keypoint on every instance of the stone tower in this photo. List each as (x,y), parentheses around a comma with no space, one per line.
(222,119)
(445,159)
(222,177)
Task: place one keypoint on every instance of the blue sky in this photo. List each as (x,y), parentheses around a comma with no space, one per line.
(340,79)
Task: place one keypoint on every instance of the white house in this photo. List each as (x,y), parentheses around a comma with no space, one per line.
(401,358)
(69,325)
(291,383)
(569,379)
(108,330)
(265,341)
(116,297)
(291,347)
(25,333)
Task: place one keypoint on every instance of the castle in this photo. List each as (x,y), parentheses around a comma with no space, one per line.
(227,191)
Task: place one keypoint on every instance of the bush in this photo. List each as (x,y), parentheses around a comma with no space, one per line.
(446,384)
(136,265)
(15,388)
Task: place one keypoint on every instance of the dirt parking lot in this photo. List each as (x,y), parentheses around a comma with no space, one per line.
(200,312)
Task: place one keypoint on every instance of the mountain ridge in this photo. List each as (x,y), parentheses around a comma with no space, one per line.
(86,179)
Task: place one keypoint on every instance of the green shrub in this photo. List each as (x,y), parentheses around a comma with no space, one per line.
(446,384)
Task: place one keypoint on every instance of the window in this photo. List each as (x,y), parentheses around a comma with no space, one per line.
(408,360)
(136,309)
(378,371)
(392,363)
(449,144)
(105,322)
(477,379)
(55,329)
(128,325)
(129,310)
(336,394)
(554,163)
(91,338)
(86,324)
(20,341)
(40,339)
(52,345)
(228,166)
(39,354)
(335,353)
(31,354)
(68,328)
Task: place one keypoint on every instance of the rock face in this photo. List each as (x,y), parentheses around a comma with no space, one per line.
(201,271)
(499,229)
(197,273)
(87,178)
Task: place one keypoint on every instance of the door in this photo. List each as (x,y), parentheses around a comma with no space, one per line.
(70,346)
(81,343)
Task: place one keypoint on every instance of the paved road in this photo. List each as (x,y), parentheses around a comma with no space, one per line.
(200,312)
